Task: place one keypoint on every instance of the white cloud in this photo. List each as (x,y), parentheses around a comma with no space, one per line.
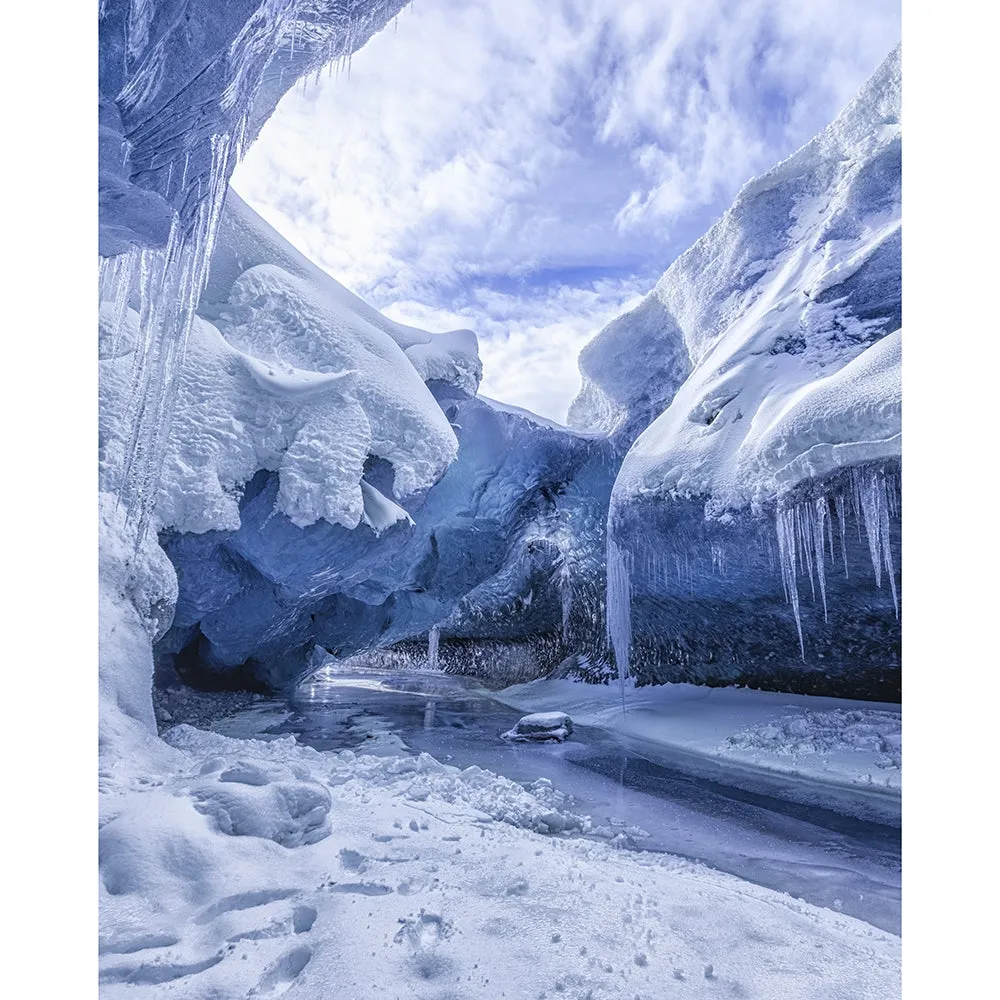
(505,149)
(530,342)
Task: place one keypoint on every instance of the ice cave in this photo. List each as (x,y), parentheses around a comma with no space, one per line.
(407,691)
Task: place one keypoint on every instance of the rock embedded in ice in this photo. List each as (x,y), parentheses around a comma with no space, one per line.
(541,727)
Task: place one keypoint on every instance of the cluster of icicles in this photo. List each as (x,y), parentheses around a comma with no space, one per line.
(806,545)
(166,283)
(805,535)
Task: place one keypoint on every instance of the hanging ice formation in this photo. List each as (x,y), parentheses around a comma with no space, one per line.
(562,577)
(433,641)
(565,597)
(165,283)
(619,608)
(169,283)
(805,535)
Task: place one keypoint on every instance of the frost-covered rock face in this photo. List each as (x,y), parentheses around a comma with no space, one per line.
(772,475)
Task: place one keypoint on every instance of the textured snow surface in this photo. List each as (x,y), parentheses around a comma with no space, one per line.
(832,731)
(246,240)
(848,418)
(427,882)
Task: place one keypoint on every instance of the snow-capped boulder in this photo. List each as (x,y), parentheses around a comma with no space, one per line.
(541,727)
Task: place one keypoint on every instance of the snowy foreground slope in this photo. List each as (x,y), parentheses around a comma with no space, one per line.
(248,868)
(259,867)
(755,520)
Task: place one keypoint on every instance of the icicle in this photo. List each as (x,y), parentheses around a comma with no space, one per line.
(804,540)
(619,609)
(829,526)
(124,271)
(887,547)
(171,281)
(565,598)
(785,524)
(433,641)
(870,504)
(842,518)
(821,512)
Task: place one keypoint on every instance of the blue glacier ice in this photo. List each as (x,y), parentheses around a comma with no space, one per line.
(724,506)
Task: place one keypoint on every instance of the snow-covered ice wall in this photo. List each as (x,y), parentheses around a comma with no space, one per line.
(183,87)
(758,515)
(272,427)
(331,476)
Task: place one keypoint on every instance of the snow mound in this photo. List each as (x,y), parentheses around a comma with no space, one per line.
(258,798)
(473,793)
(847,418)
(541,727)
(280,318)
(245,240)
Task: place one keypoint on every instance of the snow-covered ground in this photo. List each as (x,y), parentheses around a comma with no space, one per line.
(856,745)
(249,868)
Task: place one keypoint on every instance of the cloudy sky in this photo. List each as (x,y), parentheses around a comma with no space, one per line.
(528,169)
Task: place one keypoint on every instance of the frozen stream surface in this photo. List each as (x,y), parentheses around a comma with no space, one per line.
(820,855)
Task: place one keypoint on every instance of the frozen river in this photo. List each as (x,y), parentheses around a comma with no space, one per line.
(818,855)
